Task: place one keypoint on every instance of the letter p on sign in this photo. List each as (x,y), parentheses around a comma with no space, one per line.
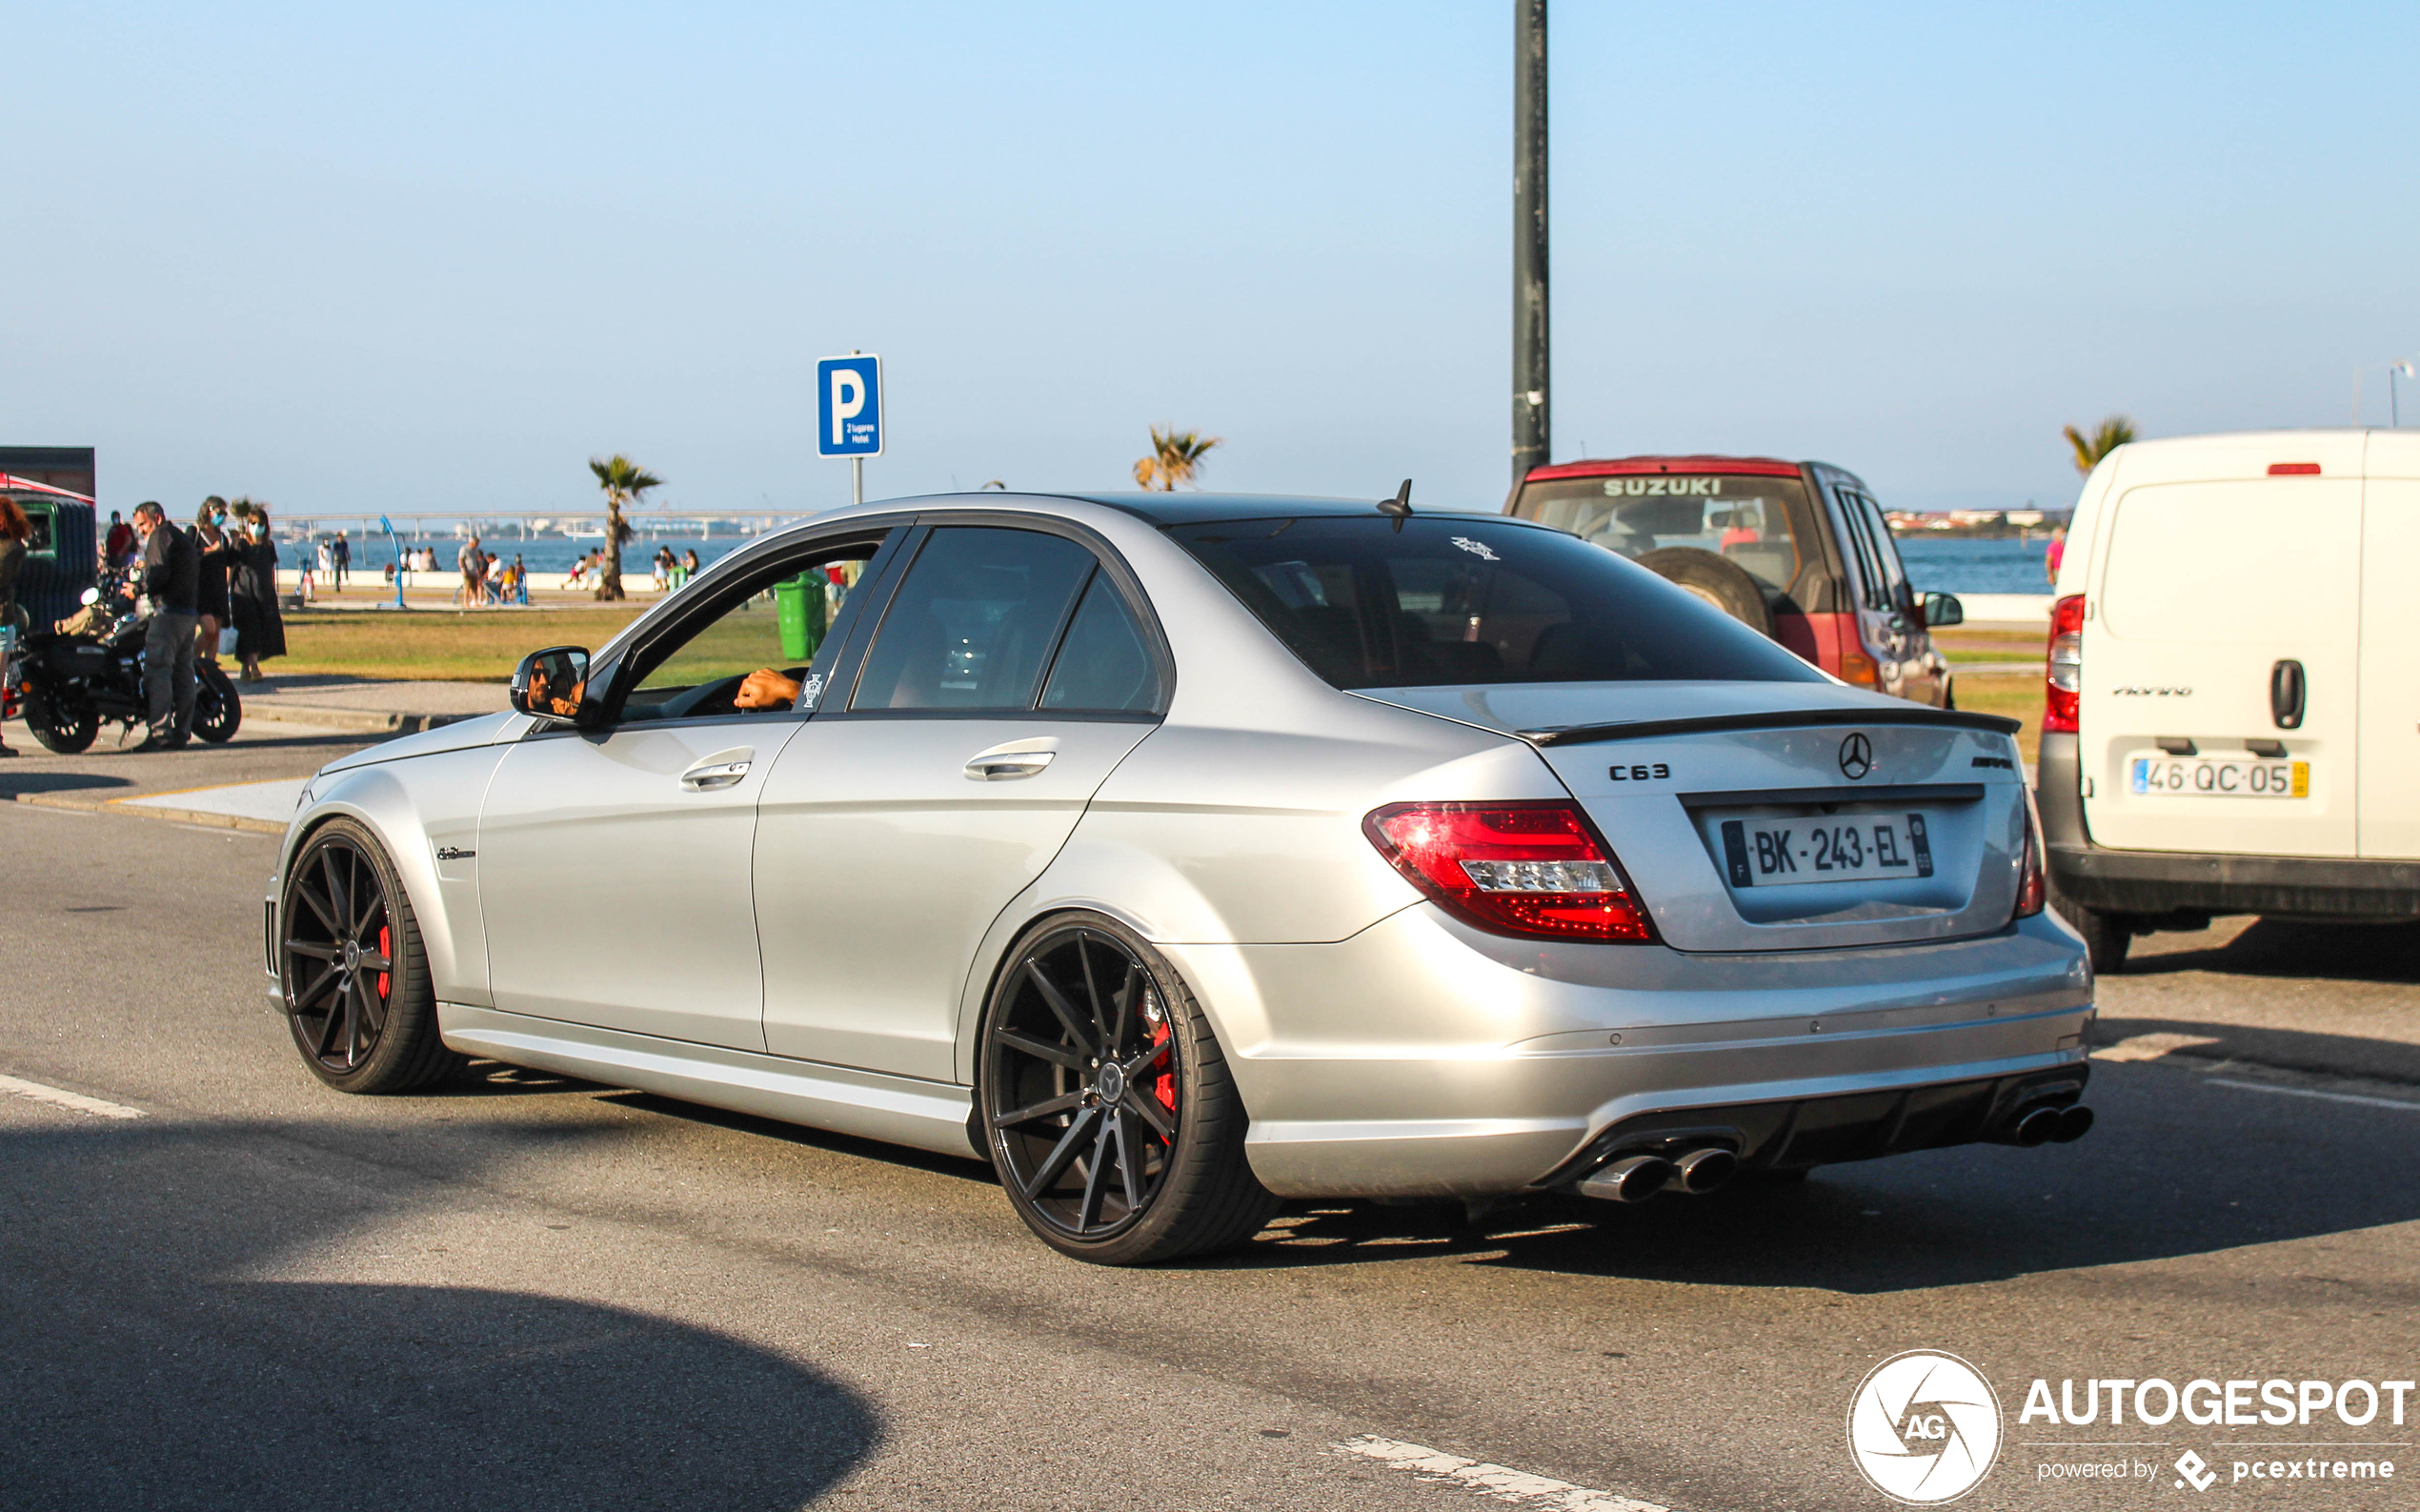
(849,399)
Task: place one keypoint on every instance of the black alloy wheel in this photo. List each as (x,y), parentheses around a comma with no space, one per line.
(1107,1106)
(349,964)
(217,709)
(64,722)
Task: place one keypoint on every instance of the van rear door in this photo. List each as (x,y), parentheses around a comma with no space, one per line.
(2391,649)
(2222,651)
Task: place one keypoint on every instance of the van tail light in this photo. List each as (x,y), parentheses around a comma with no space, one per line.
(1530,869)
(2064,689)
(2033,882)
(1858,669)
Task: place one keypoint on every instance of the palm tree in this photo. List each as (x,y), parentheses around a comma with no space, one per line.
(1176,458)
(2114,432)
(623,481)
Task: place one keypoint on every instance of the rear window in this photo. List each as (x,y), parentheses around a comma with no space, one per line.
(1473,600)
(1761,523)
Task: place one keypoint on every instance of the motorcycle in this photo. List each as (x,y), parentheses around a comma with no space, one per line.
(67,680)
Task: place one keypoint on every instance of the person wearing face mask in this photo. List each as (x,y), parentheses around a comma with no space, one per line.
(217,553)
(260,630)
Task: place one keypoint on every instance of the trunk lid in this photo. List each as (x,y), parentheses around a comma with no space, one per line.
(1728,803)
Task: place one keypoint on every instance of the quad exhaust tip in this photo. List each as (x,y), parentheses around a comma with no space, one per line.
(2045,1125)
(1636,1177)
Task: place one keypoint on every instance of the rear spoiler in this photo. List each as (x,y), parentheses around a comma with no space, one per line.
(1778,719)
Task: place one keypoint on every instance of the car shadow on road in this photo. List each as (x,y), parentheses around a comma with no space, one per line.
(34,779)
(150,1366)
(2288,1049)
(2172,1169)
(2385,952)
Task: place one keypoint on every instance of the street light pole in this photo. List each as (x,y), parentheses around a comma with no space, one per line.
(1531,416)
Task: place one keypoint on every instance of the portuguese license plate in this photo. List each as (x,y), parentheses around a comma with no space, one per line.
(1834,848)
(2200,776)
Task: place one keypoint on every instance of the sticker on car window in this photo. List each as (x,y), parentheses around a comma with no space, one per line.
(1475,548)
(809,692)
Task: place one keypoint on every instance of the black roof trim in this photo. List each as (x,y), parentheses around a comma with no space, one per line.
(1778,719)
(1168,510)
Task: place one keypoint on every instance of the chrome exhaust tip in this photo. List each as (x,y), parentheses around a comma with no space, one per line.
(2074,1123)
(2038,1127)
(1700,1170)
(1632,1178)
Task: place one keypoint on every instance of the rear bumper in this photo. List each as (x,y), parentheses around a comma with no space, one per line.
(2161,882)
(1421,1058)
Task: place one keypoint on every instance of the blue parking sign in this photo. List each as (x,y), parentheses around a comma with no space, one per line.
(849,405)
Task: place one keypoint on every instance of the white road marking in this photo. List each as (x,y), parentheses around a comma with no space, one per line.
(1493,1481)
(2324,1096)
(60,1098)
(2149,1047)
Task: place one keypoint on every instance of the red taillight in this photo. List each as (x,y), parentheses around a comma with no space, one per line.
(1513,868)
(2293,470)
(2064,689)
(2033,883)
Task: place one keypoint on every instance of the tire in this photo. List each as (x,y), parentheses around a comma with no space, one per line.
(1174,1134)
(218,711)
(1715,578)
(358,1029)
(66,726)
(2107,936)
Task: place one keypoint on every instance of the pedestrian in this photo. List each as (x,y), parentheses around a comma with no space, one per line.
(119,549)
(341,558)
(520,582)
(663,567)
(688,565)
(15,532)
(216,552)
(252,592)
(169,572)
(2057,554)
(474,564)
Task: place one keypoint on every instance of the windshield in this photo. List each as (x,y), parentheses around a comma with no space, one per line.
(1473,600)
(1754,522)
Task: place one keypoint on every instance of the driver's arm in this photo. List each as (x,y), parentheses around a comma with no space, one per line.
(766,689)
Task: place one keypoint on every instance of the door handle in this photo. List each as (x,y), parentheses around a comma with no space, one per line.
(1018,759)
(2288,689)
(707,776)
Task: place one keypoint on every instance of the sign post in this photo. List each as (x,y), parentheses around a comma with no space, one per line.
(849,413)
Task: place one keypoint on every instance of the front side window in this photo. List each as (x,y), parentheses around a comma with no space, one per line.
(1761,523)
(975,623)
(765,626)
(1473,600)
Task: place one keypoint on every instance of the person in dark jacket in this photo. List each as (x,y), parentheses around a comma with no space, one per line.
(15,532)
(216,550)
(169,573)
(260,630)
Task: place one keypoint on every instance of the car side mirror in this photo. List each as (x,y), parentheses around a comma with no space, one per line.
(1941,610)
(553,685)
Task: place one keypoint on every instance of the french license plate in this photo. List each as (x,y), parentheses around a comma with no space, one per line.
(2200,776)
(1764,853)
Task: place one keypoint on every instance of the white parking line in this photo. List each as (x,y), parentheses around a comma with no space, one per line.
(2324,1096)
(58,1097)
(1493,1481)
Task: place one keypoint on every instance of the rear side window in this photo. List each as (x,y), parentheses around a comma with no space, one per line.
(1762,524)
(1104,665)
(1473,600)
(974,622)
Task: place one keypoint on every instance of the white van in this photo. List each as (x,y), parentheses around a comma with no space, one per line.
(2233,702)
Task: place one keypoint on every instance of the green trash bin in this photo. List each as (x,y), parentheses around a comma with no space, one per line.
(798,605)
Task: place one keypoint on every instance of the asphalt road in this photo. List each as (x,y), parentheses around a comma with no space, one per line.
(536,1294)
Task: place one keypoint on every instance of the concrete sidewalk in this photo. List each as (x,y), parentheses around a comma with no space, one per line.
(366,706)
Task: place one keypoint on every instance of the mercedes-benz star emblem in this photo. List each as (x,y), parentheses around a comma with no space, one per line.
(1856,756)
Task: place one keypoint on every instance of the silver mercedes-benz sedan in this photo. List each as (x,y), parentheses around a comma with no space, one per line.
(1181,854)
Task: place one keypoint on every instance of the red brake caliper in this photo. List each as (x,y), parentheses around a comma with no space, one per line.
(1166,1091)
(386,950)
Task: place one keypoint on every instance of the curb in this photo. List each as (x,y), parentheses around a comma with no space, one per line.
(359,721)
(124,809)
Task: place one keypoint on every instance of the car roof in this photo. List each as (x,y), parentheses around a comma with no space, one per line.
(1197,509)
(1695,462)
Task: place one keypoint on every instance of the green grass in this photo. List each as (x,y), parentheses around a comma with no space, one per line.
(437,645)
(2019,696)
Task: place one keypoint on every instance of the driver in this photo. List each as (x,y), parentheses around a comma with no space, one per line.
(767,688)
(540,696)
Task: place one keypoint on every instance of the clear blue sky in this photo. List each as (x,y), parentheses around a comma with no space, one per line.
(349,257)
